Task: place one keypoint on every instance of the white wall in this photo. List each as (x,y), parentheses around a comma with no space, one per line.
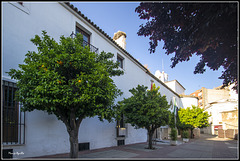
(189,101)
(45,134)
(215,110)
(174,85)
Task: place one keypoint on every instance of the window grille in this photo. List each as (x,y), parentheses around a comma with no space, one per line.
(86,39)
(13,120)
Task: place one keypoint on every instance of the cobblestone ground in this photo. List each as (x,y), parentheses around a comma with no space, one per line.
(205,147)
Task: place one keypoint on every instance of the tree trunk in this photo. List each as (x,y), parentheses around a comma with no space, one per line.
(150,136)
(191,133)
(73,127)
(73,138)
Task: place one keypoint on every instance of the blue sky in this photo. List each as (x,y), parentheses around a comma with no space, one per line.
(114,16)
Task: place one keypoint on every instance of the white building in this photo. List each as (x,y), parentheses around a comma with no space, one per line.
(36,133)
(186,100)
(216,110)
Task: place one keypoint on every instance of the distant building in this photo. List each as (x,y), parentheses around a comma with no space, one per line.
(188,101)
(222,105)
(206,96)
(185,101)
(223,116)
(161,76)
(176,86)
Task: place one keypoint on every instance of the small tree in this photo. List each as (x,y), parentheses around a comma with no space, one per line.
(179,125)
(68,80)
(173,134)
(146,109)
(185,134)
(193,118)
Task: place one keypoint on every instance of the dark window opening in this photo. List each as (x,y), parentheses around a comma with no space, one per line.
(13,120)
(120,142)
(120,61)
(86,37)
(83,146)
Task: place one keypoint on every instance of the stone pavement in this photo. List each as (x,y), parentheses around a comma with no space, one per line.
(205,147)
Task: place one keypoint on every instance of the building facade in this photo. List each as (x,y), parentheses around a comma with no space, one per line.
(206,96)
(36,133)
(223,116)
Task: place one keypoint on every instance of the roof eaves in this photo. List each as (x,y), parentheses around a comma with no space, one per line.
(99,29)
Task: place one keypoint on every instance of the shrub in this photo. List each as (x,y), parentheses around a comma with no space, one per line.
(173,134)
(185,134)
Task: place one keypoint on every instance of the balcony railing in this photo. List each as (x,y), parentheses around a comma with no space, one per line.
(92,48)
(85,43)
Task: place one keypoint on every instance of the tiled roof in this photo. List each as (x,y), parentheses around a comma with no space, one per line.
(107,36)
(99,29)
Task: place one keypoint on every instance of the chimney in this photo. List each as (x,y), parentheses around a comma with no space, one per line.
(120,38)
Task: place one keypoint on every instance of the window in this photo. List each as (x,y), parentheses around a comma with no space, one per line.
(120,60)
(13,119)
(86,37)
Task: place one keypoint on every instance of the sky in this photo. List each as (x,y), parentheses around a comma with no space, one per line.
(114,16)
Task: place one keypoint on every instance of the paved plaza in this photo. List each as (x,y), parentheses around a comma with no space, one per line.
(205,147)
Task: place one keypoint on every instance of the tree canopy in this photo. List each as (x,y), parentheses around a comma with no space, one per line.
(193,117)
(146,109)
(208,30)
(68,80)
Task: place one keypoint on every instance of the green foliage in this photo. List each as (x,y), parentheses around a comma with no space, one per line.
(193,117)
(193,28)
(66,77)
(185,134)
(173,134)
(171,120)
(146,108)
(179,125)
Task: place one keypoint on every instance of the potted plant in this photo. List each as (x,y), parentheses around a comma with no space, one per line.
(173,135)
(185,136)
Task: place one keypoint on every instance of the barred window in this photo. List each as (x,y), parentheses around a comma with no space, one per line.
(13,119)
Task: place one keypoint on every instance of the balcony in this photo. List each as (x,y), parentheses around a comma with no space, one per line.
(92,48)
(85,43)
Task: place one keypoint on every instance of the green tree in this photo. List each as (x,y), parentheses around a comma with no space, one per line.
(179,125)
(193,117)
(208,30)
(146,109)
(68,80)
